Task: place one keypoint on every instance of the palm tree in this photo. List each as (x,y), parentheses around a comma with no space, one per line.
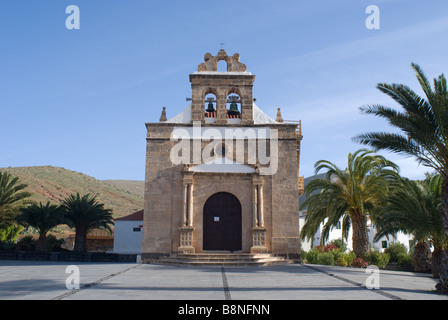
(351,194)
(85,214)
(423,127)
(413,208)
(43,218)
(12,197)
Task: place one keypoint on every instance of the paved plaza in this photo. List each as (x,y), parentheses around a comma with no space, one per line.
(42,280)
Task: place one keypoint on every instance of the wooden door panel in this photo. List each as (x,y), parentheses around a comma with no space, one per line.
(222,223)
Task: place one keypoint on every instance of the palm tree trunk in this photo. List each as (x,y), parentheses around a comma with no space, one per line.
(80,241)
(41,244)
(442,286)
(360,236)
(435,261)
(422,257)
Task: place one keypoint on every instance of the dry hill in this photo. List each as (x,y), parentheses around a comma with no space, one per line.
(53,184)
(132,186)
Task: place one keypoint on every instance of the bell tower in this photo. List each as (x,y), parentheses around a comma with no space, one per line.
(233,87)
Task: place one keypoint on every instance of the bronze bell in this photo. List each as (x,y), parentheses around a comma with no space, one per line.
(210,107)
(233,108)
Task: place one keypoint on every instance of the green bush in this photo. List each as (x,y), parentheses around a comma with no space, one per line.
(27,243)
(337,254)
(376,258)
(395,249)
(326,258)
(341,262)
(7,246)
(340,244)
(53,243)
(349,257)
(405,261)
(312,256)
(339,258)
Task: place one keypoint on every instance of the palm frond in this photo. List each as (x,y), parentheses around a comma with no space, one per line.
(423,122)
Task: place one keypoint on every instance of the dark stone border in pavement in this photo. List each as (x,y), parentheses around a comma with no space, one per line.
(67,256)
(380,292)
(92,284)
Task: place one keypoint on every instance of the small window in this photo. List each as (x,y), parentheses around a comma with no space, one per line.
(137,229)
(338,225)
(384,244)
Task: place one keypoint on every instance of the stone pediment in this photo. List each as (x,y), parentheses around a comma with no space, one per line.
(222,165)
(211,62)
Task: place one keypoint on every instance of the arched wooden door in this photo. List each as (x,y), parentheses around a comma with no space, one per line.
(222,223)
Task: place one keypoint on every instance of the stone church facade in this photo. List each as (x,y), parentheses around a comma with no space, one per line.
(221,176)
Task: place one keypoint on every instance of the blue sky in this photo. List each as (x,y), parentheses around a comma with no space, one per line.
(79,99)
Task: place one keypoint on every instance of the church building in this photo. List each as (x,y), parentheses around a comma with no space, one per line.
(222,176)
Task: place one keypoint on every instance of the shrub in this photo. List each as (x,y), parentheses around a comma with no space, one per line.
(377,258)
(312,256)
(326,258)
(315,256)
(359,263)
(7,246)
(331,257)
(53,243)
(349,257)
(405,261)
(395,249)
(340,244)
(330,247)
(341,262)
(337,254)
(27,243)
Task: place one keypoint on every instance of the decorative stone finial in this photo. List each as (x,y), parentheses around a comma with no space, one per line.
(279,116)
(163,116)
(211,62)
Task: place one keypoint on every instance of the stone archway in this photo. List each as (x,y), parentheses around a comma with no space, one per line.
(222,223)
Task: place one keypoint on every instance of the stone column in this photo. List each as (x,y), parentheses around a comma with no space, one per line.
(197,103)
(221,107)
(186,230)
(258,229)
(255,207)
(260,206)
(190,205)
(185,206)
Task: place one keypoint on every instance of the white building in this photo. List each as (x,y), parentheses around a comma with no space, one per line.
(336,234)
(128,234)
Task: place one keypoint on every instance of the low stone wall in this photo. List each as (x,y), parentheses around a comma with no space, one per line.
(67,256)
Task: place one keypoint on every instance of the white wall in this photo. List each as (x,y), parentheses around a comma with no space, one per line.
(337,234)
(126,240)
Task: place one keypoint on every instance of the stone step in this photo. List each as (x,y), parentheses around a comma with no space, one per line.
(225,256)
(223,259)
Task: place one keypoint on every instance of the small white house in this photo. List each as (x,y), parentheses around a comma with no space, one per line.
(128,234)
